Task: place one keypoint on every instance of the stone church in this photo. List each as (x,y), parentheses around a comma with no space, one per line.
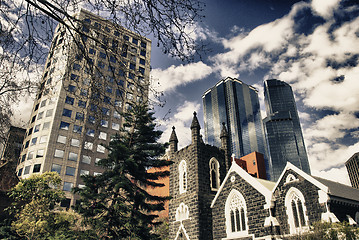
(214,198)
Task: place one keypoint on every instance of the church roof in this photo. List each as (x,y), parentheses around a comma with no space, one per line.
(266,183)
(340,190)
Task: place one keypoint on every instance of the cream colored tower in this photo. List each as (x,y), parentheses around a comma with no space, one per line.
(94,71)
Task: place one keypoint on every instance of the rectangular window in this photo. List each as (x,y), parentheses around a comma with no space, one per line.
(135,41)
(92,51)
(77,129)
(36,107)
(104,123)
(67,186)
(143,53)
(141,70)
(102,136)
(96,173)
(129,96)
(88,145)
(71,88)
(56,168)
(126,38)
(101,65)
(37,128)
(91,119)
(43,103)
(30,155)
(27,144)
(142,61)
(33,119)
(43,139)
(113,59)
(83,92)
(82,104)
(118,103)
(90,132)
(79,116)
(69,100)
(121,73)
(75,142)
(93,107)
(86,159)
(132,66)
(66,112)
(131,75)
(46,126)
(105,111)
(101,149)
(119,92)
(73,156)
(84,172)
(19,172)
(23,158)
(59,153)
(74,77)
(70,171)
(76,67)
(61,139)
(64,125)
(109,90)
(40,115)
(27,170)
(116,115)
(37,168)
(33,141)
(49,113)
(143,44)
(40,153)
(115,126)
(102,55)
(30,132)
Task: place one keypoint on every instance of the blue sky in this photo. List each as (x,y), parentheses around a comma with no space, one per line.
(312,45)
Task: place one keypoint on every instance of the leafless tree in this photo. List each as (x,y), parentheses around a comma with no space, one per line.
(27,28)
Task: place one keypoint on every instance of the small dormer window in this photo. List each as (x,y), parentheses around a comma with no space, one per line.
(290,178)
(182,170)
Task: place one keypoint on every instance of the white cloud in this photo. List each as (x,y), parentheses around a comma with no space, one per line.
(324,8)
(181,120)
(181,75)
(335,174)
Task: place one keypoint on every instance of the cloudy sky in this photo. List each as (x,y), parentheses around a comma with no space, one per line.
(312,45)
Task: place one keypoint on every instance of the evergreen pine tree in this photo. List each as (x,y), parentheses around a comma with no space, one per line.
(116,204)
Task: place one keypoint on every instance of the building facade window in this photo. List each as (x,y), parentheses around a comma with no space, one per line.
(236,215)
(56,168)
(182,170)
(214,174)
(295,207)
(182,212)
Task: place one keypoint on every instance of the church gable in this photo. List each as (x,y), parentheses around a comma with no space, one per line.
(239,209)
(300,201)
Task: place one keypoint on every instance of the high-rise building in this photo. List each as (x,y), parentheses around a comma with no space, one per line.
(352,166)
(283,131)
(236,104)
(93,72)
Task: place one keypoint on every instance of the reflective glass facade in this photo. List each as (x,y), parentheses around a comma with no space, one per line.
(283,130)
(235,103)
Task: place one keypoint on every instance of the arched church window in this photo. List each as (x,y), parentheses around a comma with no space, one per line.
(182,170)
(214,174)
(295,206)
(182,212)
(235,212)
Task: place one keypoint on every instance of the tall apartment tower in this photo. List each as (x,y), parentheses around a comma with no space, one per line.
(283,131)
(236,104)
(352,166)
(92,74)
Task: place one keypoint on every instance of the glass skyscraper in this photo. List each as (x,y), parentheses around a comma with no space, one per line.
(283,130)
(235,103)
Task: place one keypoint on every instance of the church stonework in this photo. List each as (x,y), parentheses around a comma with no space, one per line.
(213,198)
(190,184)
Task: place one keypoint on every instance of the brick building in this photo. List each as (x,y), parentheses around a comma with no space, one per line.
(214,198)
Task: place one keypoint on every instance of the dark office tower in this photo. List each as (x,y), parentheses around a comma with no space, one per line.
(283,130)
(353,170)
(235,103)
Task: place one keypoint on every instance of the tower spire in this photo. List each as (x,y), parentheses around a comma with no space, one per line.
(195,128)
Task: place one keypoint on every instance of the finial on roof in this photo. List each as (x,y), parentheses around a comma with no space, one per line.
(195,123)
(173,137)
(224,132)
